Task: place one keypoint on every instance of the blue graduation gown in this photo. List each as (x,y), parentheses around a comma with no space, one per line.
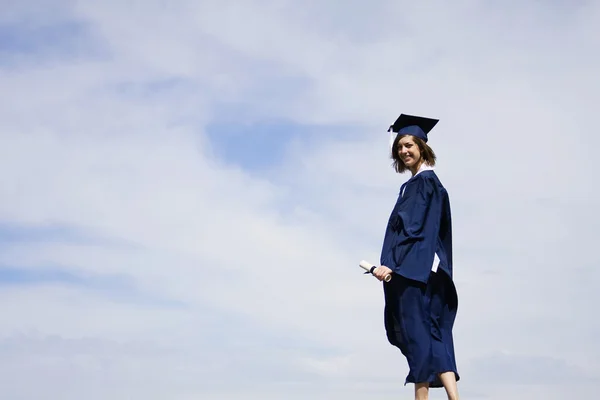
(421,305)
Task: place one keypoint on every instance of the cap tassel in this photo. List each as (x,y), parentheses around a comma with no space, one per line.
(392,137)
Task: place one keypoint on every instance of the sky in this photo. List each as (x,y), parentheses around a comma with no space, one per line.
(187,188)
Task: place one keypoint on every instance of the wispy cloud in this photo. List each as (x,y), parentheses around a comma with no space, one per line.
(187,188)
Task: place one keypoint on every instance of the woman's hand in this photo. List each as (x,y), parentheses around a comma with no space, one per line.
(381,272)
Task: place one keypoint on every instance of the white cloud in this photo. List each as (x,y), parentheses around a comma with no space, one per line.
(265,266)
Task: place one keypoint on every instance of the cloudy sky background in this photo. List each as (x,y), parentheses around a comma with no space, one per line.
(187,188)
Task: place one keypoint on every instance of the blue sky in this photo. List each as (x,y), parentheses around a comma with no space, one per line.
(187,189)
(262,144)
(24,41)
(22,38)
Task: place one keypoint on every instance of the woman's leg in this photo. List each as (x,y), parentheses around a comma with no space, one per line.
(422,391)
(449,381)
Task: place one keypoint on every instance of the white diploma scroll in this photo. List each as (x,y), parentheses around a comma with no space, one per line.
(370,268)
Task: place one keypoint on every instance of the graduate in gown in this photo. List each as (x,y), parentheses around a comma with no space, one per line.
(421,300)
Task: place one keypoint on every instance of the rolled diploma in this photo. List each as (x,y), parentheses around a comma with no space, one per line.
(370,268)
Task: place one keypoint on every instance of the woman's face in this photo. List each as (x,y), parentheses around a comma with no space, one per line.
(408,151)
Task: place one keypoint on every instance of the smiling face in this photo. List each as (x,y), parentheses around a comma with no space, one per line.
(409,152)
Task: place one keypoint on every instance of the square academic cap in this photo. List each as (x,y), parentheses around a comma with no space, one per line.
(413,125)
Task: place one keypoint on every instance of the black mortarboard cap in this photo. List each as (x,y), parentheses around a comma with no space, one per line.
(413,125)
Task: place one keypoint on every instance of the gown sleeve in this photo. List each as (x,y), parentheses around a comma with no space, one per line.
(407,227)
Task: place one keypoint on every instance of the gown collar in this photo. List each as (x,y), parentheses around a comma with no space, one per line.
(424,167)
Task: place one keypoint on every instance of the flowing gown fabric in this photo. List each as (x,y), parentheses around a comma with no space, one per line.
(420,304)
(418,320)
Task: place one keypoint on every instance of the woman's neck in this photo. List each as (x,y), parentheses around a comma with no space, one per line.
(417,167)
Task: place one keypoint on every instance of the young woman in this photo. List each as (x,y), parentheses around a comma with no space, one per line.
(421,300)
